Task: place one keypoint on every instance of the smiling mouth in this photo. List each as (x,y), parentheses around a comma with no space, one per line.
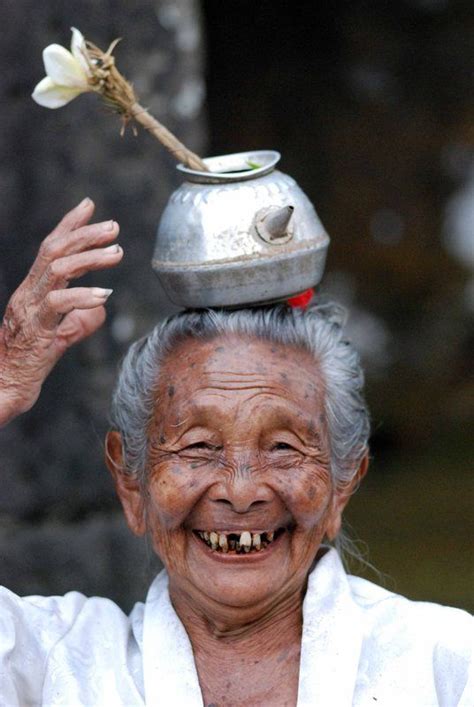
(238,543)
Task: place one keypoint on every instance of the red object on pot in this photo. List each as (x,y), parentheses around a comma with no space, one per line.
(302,300)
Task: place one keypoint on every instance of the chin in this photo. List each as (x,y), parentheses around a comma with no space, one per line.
(244,591)
(240,579)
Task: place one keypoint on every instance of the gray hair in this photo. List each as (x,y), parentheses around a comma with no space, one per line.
(318,330)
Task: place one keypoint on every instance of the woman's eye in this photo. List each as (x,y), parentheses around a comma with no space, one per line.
(279,446)
(201,445)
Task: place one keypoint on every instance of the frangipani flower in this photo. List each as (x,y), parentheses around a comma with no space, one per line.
(67,73)
(86,68)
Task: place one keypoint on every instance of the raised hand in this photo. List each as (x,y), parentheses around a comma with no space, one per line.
(44,317)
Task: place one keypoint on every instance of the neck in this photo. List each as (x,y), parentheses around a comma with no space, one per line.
(207,621)
(250,654)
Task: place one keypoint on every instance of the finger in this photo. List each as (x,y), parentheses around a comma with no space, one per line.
(75,218)
(72,242)
(58,303)
(78,325)
(61,271)
(84,238)
(78,216)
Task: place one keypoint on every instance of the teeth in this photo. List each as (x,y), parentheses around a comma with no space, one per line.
(246,540)
(214,540)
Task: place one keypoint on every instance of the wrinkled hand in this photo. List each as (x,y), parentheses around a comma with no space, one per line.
(45,317)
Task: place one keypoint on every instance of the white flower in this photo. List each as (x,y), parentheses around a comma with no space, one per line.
(67,73)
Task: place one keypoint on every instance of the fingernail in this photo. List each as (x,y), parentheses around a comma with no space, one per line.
(101,292)
(112,249)
(85,202)
(109,225)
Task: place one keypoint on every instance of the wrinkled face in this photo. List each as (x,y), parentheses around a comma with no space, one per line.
(239,486)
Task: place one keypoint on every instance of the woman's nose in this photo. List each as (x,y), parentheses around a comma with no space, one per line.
(241,492)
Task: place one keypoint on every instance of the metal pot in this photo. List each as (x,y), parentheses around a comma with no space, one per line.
(241,234)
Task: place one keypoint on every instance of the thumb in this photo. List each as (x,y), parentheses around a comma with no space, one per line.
(78,325)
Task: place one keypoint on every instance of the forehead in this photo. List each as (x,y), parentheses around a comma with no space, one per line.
(240,366)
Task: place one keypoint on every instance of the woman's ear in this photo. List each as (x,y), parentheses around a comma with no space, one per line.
(341,499)
(127,486)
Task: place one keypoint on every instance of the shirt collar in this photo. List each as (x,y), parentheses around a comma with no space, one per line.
(170,676)
(330,647)
(332,636)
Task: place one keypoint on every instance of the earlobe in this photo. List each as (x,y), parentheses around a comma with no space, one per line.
(127,486)
(333,527)
(363,469)
(114,452)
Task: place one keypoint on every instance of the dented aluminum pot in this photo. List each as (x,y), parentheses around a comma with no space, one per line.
(241,234)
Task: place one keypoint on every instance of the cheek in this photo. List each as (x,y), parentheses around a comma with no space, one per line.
(173,491)
(306,491)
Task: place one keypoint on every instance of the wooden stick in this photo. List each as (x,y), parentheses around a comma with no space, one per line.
(106,80)
(170,141)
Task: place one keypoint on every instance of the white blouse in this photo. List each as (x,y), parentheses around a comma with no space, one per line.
(361,646)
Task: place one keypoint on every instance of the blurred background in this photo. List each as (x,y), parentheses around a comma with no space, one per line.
(371,105)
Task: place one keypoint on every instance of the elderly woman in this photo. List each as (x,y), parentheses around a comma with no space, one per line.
(237,440)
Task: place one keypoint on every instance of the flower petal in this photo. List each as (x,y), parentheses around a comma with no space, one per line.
(50,95)
(63,68)
(77,48)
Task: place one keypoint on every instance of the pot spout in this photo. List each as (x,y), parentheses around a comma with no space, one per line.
(272,223)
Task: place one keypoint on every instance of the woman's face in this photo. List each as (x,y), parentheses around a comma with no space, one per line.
(239,491)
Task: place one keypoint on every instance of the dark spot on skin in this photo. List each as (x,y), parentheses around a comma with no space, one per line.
(306,396)
(321,418)
(192,484)
(193,364)
(273,350)
(171,391)
(162,439)
(195,465)
(219,349)
(228,684)
(256,662)
(283,655)
(311,493)
(283,376)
